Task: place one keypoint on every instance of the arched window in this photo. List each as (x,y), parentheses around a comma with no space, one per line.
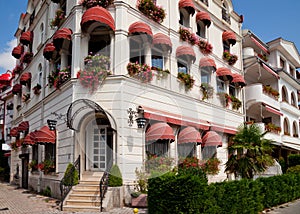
(225,13)
(284,94)
(286,127)
(295,129)
(184,19)
(293,99)
(42,33)
(99,42)
(40,74)
(201,29)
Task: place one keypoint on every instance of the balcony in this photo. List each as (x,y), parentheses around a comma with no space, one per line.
(254,94)
(289,108)
(273,136)
(290,139)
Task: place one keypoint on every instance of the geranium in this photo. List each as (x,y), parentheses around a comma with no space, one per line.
(27,57)
(18,69)
(186,35)
(142,72)
(58,19)
(204,46)
(59,76)
(187,79)
(230,58)
(152,11)
(93,3)
(95,72)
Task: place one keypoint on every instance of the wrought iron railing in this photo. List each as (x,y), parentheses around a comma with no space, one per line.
(103,188)
(67,181)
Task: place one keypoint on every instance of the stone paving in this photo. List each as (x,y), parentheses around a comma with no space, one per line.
(15,200)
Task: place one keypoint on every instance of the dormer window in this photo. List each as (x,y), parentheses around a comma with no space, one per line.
(225,13)
(186,8)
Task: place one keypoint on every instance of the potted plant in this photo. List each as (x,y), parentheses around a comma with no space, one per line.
(37,89)
(95,71)
(187,79)
(93,3)
(47,166)
(211,166)
(58,19)
(33,165)
(161,74)
(204,46)
(236,103)
(18,69)
(151,10)
(186,35)
(207,91)
(59,76)
(141,72)
(230,58)
(27,57)
(224,98)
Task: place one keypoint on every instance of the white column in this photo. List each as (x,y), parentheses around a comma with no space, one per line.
(76,54)
(148,53)
(64,59)
(112,52)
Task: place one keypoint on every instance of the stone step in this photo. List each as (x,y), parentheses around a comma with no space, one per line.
(84,196)
(70,208)
(85,203)
(85,182)
(85,192)
(86,187)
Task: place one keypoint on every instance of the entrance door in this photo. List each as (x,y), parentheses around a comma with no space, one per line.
(96,145)
(25,160)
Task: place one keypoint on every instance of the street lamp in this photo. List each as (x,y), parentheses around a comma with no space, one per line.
(139,114)
(52,124)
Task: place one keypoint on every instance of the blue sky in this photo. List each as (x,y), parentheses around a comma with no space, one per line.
(268,19)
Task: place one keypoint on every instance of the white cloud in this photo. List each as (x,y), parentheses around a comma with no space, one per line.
(7,61)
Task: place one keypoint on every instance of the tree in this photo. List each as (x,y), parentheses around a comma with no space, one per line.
(249,152)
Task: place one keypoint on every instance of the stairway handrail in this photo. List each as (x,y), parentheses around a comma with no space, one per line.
(65,189)
(103,185)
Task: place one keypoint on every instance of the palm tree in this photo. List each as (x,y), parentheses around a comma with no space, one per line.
(249,152)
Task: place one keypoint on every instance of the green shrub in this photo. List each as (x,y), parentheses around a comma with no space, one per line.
(283,164)
(71,176)
(115,177)
(293,160)
(47,191)
(293,169)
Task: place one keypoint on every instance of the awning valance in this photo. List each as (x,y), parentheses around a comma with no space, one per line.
(97,14)
(204,17)
(48,50)
(188,5)
(7,154)
(186,51)
(29,139)
(160,39)
(61,35)
(23,126)
(26,37)
(212,138)
(14,132)
(270,70)
(229,36)
(238,79)
(45,135)
(159,131)
(207,62)
(272,110)
(17,89)
(25,78)
(224,73)
(140,28)
(5,78)
(189,135)
(17,51)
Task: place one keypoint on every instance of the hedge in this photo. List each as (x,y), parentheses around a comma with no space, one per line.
(188,193)
(293,160)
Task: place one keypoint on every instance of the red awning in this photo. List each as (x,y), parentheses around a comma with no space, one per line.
(159,131)
(188,5)
(140,27)
(23,126)
(48,50)
(26,37)
(272,110)
(25,78)
(186,51)
(207,62)
(224,74)
(5,78)
(160,39)
(238,79)
(60,35)
(229,36)
(45,135)
(261,46)
(17,51)
(270,70)
(189,135)
(17,89)
(14,132)
(29,139)
(212,138)
(204,17)
(97,14)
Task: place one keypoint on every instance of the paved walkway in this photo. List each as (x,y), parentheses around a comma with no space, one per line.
(15,200)
(288,208)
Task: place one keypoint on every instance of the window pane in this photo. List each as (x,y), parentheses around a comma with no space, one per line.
(205,76)
(182,68)
(220,86)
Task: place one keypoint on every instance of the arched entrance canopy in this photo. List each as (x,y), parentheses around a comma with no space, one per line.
(83,107)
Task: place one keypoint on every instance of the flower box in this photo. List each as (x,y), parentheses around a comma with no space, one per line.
(204,46)
(59,76)
(58,19)
(271,91)
(186,35)
(187,79)
(207,91)
(93,3)
(152,11)
(230,58)
(141,72)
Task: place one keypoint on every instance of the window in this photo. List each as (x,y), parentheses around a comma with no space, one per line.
(284,94)
(35,152)
(267,120)
(282,63)
(225,14)
(50,152)
(226,46)
(32,17)
(186,150)
(184,18)
(292,71)
(99,43)
(286,127)
(293,100)
(41,33)
(157,59)
(205,75)
(159,148)
(63,6)
(295,129)
(201,30)
(220,86)
(232,90)
(208,152)
(137,51)
(40,77)
(182,67)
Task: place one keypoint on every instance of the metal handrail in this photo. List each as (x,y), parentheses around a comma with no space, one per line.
(103,188)
(66,182)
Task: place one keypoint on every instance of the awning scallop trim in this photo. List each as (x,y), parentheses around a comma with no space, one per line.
(159,131)
(229,36)
(186,51)
(17,51)
(97,14)
(212,138)
(140,28)
(204,17)
(189,135)
(188,5)
(207,62)
(160,39)
(224,73)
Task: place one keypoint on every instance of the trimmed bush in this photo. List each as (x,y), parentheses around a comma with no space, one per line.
(293,160)
(115,177)
(293,169)
(71,176)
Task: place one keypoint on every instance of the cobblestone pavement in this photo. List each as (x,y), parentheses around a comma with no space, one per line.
(15,200)
(288,208)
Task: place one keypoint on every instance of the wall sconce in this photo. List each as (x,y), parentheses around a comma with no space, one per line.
(139,114)
(52,124)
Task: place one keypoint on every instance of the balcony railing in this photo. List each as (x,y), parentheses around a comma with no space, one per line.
(271,135)
(290,108)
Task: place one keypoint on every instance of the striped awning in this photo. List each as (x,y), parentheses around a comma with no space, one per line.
(212,138)
(189,135)
(159,131)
